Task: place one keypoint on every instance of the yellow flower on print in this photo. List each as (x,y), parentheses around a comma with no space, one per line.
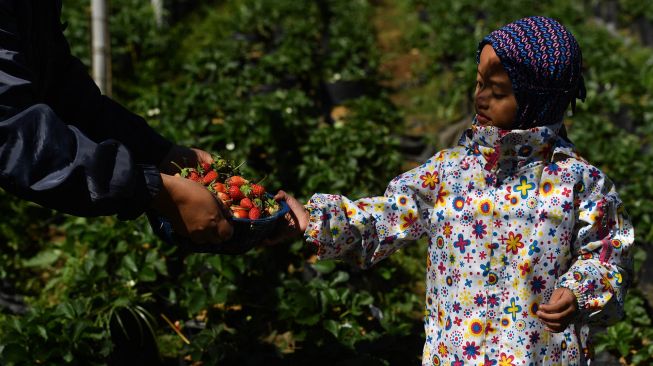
(485,207)
(514,243)
(430,180)
(555,216)
(479,180)
(443,350)
(447,229)
(506,360)
(466,298)
(607,286)
(546,188)
(349,210)
(379,207)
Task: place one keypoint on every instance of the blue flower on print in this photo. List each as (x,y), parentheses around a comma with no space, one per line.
(533,248)
(479,229)
(486,268)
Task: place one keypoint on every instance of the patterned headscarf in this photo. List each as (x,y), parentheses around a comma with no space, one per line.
(543,61)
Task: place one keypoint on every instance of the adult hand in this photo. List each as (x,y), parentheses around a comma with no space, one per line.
(193,211)
(293,224)
(560,311)
(184,157)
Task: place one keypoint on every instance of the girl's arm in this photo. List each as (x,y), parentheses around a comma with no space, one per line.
(370,229)
(604,236)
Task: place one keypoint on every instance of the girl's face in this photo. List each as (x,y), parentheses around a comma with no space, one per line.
(494,98)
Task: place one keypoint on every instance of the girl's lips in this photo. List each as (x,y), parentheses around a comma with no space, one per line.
(482,119)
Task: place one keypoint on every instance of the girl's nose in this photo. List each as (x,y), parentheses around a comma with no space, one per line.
(481,99)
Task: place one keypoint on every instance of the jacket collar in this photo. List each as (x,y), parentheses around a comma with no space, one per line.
(508,151)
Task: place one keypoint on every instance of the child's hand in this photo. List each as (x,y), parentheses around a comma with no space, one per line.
(294,223)
(560,310)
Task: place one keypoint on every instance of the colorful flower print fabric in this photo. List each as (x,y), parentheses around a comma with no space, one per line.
(510,216)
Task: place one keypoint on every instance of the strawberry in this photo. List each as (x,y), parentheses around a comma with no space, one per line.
(236,181)
(225,198)
(219,187)
(246,189)
(246,203)
(235,193)
(257,190)
(210,176)
(273,206)
(194,176)
(254,213)
(206,167)
(239,212)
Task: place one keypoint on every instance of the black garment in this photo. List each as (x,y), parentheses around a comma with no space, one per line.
(63,144)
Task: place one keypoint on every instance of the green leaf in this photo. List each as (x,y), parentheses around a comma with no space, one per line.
(129,263)
(325,266)
(43,259)
(340,277)
(42,332)
(332,326)
(197,301)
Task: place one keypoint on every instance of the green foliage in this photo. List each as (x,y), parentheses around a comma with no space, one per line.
(249,79)
(630,338)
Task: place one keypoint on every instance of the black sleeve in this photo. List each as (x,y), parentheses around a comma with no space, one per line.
(78,101)
(55,164)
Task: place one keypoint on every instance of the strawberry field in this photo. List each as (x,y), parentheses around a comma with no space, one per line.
(333,96)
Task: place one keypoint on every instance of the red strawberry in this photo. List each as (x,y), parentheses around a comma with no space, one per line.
(240,213)
(236,181)
(257,190)
(210,176)
(254,213)
(224,198)
(235,193)
(219,187)
(194,176)
(206,167)
(246,203)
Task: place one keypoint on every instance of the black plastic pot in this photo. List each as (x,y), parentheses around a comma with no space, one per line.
(341,91)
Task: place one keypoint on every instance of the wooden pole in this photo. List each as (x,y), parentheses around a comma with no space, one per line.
(100,46)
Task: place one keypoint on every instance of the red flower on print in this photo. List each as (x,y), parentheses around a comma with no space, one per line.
(408,220)
(442,194)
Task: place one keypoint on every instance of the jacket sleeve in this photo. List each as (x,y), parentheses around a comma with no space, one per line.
(370,229)
(55,164)
(76,99)
(604,237)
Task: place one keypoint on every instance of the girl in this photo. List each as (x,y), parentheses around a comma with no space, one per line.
(528,242)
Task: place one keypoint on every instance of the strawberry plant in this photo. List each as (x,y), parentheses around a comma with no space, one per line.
(248,78)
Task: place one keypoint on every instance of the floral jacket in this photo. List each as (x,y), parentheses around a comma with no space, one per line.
(510,216)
